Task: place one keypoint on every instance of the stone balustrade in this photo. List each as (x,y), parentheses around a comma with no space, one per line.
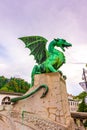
(79,120)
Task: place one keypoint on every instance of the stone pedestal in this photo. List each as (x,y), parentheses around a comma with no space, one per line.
(48,113)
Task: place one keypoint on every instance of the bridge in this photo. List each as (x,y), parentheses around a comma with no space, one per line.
(79,119)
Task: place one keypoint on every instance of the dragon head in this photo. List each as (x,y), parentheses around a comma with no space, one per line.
(62,44)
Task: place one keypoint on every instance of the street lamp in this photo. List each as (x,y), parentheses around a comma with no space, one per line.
(84,77)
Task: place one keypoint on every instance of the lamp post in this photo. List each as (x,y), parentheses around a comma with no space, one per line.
(84,77)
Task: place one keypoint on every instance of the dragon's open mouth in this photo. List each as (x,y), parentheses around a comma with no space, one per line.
(66,46)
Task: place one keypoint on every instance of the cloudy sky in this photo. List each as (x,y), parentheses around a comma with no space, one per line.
(65,19)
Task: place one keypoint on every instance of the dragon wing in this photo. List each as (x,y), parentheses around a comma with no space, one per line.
(37,46)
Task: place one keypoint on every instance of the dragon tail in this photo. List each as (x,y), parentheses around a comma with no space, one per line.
(31,93)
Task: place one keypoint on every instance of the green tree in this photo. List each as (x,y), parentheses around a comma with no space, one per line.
(81,95)
(3,81)
(82,106)
(13,85)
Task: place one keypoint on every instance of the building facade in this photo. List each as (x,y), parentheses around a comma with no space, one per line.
(73,104)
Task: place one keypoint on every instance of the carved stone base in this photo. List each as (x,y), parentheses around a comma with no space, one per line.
(48,113)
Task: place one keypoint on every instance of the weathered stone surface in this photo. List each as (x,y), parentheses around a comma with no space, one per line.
(48,113)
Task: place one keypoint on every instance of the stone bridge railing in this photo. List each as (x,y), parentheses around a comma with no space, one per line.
(79,119)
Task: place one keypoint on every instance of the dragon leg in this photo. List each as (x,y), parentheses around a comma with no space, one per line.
(59,67)
(33,92)
(51,68)
(35,70)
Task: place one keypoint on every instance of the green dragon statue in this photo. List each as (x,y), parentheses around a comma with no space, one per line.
(47,60)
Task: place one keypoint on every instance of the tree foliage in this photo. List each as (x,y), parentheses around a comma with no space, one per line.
(13,84)
(81,95)
(82,106)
